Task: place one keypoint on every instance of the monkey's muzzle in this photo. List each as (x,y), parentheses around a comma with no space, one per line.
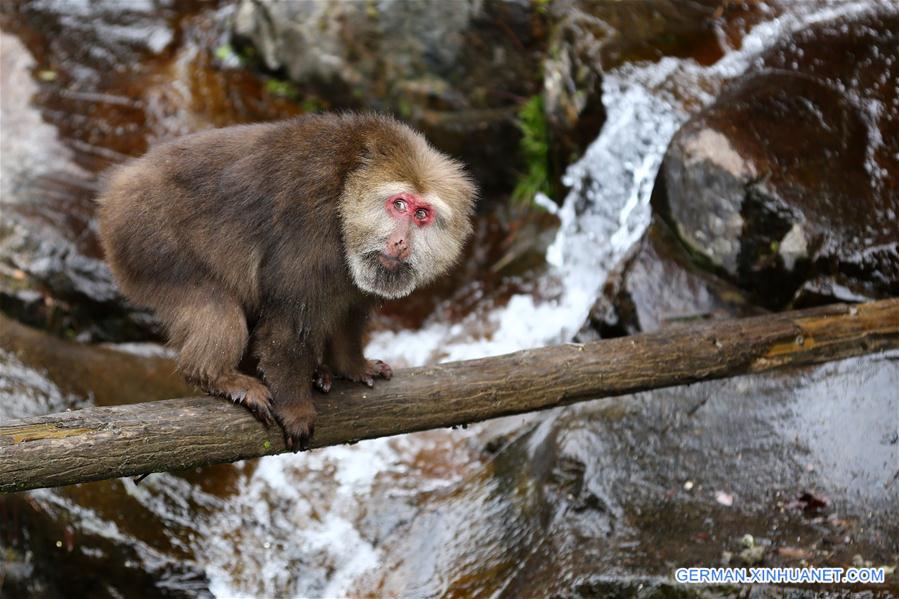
(389,262)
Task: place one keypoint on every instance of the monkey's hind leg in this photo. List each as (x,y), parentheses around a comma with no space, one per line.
(210,331)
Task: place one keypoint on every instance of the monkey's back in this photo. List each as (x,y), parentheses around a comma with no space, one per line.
(169,220)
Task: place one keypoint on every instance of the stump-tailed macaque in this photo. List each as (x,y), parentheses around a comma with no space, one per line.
(276,240)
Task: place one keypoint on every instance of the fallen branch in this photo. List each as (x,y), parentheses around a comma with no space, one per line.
(108,442)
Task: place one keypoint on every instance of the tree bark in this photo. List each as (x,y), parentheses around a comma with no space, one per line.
(108,442)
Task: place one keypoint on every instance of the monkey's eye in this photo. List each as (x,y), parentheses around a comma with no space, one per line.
(421,214)
(400,205)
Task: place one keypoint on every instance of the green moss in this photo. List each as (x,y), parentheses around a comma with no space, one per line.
(541,5)
(288,89)
(534,150)
(226,54)
(404,108)
(313,105)
(278,87)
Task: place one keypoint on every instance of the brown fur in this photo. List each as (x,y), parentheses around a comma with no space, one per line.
(245,236)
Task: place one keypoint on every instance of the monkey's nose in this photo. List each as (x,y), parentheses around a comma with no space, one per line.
(398,248)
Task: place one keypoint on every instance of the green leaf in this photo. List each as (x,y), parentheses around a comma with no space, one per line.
(534,148)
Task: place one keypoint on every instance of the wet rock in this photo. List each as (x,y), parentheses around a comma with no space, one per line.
(39,239)
(51,270)
(109,529)
(787,183)
(26,392)
(592,499)
(657,286)
(65,374)
(634,31)
(572,85)
(458,71)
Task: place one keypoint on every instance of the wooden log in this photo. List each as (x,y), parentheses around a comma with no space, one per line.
(108,442)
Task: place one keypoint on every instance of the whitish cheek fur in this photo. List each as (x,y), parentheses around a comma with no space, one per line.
(434,251)
(372,228)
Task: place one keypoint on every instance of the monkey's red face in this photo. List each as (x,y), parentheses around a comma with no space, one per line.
(407,212)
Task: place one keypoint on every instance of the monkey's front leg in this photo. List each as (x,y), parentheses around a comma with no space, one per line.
(344,355)
(287,363)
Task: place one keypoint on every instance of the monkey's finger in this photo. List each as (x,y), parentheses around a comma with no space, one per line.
(241,399)
(305,438)
(383,369)
(299,439)
(323,379)
(288,440)
(297,433)
(263,414)
(259,406)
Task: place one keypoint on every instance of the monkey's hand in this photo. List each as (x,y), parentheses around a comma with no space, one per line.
(323,378)
(297,419)
(368,371)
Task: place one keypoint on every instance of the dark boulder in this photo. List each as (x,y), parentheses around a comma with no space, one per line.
(787,184)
